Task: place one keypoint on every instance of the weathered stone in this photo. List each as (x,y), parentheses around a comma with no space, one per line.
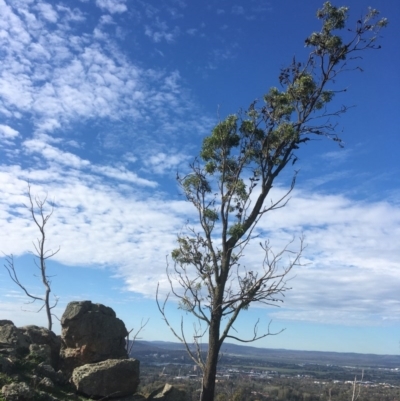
(6,364)
(44,370)
(17,392)
(46,383)
(41,352)
(42,336)
(12,340)
(113,378)
(90,333)
(168,393)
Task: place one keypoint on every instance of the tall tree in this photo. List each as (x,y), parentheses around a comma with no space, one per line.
(230,181)
(37,210)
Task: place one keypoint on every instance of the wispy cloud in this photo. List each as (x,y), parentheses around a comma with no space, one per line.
(7,133)
(110,224)
(162,163)
(57,79)
(112,6)
(159,31)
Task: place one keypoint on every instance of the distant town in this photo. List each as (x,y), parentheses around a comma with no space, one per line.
(250,373)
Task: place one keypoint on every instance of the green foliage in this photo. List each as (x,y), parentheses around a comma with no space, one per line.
(194,183)
(4,379)
(236,230)
(279,104)
(217,147)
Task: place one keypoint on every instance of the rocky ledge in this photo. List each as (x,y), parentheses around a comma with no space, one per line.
(88,361)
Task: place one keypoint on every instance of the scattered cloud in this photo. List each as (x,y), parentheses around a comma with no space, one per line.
(7,132)
(48,12)
(160,31)
(100,223)
(162,163)
(338,156)
(219,55)
(112,6)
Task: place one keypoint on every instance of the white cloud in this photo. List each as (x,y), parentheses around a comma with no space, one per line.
(161,162)
(159,31)
(112,6)
(351,266)
(53,154)
(57,79)
(123,175)
(106,20)
(7,132)
(48,12)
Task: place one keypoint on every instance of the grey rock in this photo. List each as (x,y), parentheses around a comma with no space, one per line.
(44,370)
(42,336)
(12,341)
(91,333)
(46,383)
(6,364)
(168,393)
(113,378)
(17,392)
(40,352)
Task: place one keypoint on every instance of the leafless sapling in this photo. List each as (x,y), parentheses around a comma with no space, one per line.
(40,217)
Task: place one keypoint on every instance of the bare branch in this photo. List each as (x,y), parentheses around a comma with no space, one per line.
(135,337)
(36,208)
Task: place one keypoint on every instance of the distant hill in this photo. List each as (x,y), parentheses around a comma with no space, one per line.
(281,355)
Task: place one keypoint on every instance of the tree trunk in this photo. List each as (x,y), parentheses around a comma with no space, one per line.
(210,371)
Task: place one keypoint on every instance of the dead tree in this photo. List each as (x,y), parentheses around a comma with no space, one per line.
(37,208)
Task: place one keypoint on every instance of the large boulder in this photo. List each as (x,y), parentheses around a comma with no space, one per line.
(113,378)
(12,341)
(90,333)
(43,338)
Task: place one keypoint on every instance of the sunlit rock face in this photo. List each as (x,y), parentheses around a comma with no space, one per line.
(91,333)
(112,378)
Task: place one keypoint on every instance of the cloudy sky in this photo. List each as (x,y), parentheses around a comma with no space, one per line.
(103,101)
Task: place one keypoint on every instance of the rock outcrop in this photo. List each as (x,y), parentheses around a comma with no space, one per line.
(91,333)
(33,340)
(12,341)
(90,354)
(43,341)
(112,378)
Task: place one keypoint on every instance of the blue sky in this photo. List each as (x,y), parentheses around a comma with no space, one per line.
(103,101)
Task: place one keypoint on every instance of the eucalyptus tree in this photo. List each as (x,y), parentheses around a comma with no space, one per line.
(230,181)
